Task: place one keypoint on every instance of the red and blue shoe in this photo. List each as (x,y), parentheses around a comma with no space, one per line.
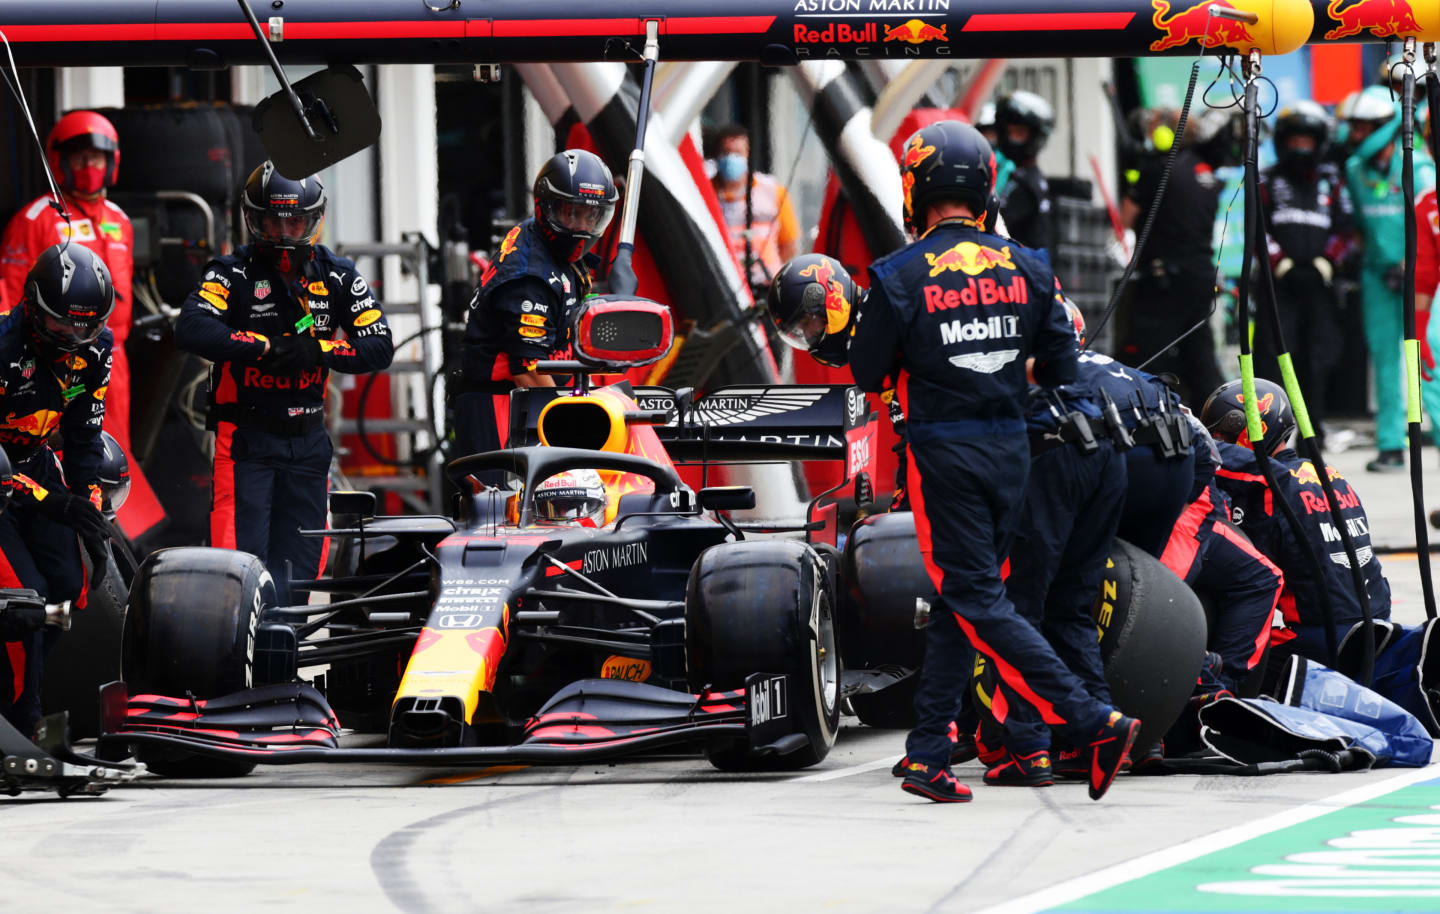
(1033,770)
(962,750)
(933,783)
(1108,751)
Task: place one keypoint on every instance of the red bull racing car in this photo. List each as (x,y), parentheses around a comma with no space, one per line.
(543,623)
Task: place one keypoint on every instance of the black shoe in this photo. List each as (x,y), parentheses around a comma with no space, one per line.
(1070,764)
(1109,750)
(1387,462)
(935,784)
(1033,770)
(1152,762)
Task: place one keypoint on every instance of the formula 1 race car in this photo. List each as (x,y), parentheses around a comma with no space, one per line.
(511,634)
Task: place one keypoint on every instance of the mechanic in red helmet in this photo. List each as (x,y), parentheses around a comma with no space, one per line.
(83,151)
(520,311)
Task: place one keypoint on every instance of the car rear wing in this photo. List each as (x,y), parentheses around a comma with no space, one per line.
(753,423)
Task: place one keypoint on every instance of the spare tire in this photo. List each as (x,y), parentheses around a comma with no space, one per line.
(174,147)
(1152,640)
(191,630)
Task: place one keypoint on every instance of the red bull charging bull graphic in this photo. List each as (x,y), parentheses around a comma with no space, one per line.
(1198,23)
(837,308)
(1382,18)
(913,31)
(969,258)
(915,153)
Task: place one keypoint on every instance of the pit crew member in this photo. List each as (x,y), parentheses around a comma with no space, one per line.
(1307,209)
(54,371)
(1255,511)
(83,152)
(520,311)
(267,317)
(950,322)
(1023,122)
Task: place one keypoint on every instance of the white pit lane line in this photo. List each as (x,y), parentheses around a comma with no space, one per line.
(838,773)
(1186,851)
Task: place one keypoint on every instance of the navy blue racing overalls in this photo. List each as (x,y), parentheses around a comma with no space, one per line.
(39,394)
(1253,508)
(272,450)
(1161,466)
(519,315)
(950,323)
(1073,505)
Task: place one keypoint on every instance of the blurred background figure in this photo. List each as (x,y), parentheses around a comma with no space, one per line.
(771,234)
(1373,174)
(1175,269)
(1023,122)
(1308,215)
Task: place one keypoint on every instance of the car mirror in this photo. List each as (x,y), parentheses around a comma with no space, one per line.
(727,498)
(355,504)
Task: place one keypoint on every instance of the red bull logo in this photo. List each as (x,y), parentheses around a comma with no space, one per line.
(1196,22)
(913,31)
(915,153)
(969,258)
(837,309)
(1384,18)
(507,247)
(38,424)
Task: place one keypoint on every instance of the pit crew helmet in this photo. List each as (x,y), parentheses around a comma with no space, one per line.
(571,497)
(1028,110)
(1224,415)
(948,160)
(1303,118)
(812,303)
(68,297)
(74,132)
(114,472)
(1216,135)
(575,199)
(283,216)
(1373,105)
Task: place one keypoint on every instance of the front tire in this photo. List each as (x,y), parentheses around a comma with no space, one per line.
(191,630)
(764,607)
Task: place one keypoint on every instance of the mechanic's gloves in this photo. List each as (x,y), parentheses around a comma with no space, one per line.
(1325,268)
(292,354)
(85,519)
(18,621)
(1283,267)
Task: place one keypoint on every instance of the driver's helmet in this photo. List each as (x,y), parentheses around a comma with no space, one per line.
(571,497)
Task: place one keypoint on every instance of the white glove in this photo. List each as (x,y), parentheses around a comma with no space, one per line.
(1325,268)
(1284,266)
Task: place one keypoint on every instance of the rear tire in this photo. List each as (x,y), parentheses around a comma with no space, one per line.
(763,606)
(191,629)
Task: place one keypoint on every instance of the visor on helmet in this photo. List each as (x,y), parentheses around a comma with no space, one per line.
(572,497)
(66,333)
(579,217)
(284,231)
(806,328)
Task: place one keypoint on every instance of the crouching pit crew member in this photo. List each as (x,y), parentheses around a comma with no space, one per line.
(54,370)
(960,376)
(520,311)
(1298,483)
(267,317)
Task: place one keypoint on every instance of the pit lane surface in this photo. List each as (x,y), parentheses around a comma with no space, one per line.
(666,834)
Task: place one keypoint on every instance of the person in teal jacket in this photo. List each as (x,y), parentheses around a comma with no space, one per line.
(1373,174)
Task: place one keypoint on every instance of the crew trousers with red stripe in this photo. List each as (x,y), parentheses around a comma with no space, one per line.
(1073,506)
(967,494)
(1218,560)
(268,487)
(44,556)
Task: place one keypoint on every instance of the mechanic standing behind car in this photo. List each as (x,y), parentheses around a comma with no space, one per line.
(520,311)
(54,371)
(266,316)
(1023,122)
(83,152)
(951,322)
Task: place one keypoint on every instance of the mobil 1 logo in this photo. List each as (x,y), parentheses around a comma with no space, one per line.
(767,699)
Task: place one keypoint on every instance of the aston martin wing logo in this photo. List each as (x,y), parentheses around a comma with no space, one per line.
(985,362)
(738,405)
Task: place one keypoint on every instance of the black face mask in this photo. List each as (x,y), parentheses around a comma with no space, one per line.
(1297,161)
